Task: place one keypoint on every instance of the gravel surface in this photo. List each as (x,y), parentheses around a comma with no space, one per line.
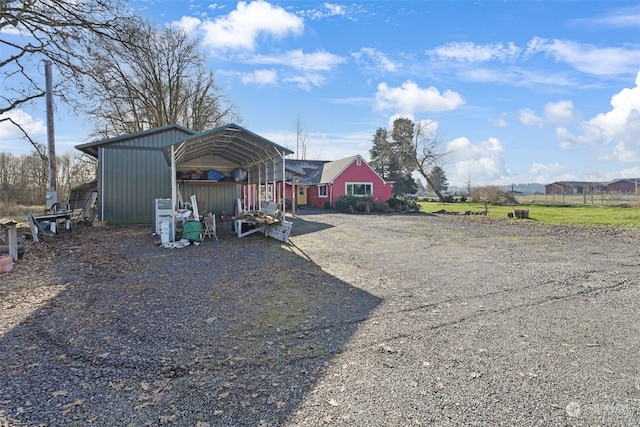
(396,320)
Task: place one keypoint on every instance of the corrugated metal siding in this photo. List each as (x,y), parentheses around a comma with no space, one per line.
(134,178)
(135,174)
(215,197)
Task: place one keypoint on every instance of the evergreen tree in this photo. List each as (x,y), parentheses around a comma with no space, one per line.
(380,153)
(438,180)
(403,156)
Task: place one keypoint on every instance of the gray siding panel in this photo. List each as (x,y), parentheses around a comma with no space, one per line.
(213,197)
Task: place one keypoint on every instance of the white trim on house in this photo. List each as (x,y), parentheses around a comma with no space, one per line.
(320,188)
(369,194)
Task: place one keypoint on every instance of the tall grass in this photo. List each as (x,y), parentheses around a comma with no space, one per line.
(620,215)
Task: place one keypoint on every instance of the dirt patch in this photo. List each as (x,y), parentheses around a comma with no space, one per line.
(360,320)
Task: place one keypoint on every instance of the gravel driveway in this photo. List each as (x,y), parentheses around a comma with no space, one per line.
(397,320)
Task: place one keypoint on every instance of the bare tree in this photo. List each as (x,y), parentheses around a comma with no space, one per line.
(155,78)
(427,152)
(56,30)
(301,140)
(23,179)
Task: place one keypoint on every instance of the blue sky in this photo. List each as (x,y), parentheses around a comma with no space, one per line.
(519,91)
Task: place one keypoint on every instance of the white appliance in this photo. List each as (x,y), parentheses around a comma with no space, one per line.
(162,213)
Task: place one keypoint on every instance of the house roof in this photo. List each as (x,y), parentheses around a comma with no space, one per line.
(91,148)
(576,183)
(308,171)
(230,142)
(332,170)
(321,171)
(631,180)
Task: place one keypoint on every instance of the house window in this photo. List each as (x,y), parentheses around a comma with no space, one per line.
(322,190)
(358,161)
(360,189)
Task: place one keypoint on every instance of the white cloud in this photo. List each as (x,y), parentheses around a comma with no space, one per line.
(551,172)
(500,122)
(328,10)
(323,145)
(260,77)
(471,52)
(306,81)
(409,98)
(529,118)
(34,127)
(12,30)
(307,67)
(187,23)
(620,126)
(589,58)
(560,112)
(617,18)
(317,61)
(380,61)
(482,163)
(12,139)
(240,29)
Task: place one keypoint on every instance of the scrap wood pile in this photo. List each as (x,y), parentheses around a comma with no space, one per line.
(262,217)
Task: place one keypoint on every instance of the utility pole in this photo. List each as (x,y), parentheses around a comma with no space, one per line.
(52,195)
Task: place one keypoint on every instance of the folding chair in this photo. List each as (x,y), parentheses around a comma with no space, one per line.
(210,226)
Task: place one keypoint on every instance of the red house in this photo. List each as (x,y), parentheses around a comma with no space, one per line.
(320,183)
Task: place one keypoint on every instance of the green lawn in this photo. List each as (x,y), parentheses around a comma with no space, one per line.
(620,215)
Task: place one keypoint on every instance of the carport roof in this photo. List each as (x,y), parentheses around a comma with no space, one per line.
(231,142)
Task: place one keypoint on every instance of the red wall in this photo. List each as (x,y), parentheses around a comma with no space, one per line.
(381,191)
(622,187)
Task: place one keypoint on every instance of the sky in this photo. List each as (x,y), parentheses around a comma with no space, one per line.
(516,91)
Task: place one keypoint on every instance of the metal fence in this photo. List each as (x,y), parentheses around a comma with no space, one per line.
(599,198)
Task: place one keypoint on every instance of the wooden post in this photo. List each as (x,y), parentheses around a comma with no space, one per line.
(11,237)
(53,170)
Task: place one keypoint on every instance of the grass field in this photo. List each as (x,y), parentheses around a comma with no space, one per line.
(620,215)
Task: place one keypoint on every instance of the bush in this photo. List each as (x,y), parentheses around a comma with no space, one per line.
(492,195)
(401,205)
(326,204)
(394,202)
(354,204)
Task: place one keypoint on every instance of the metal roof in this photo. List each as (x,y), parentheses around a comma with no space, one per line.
(231,142)
(91,148)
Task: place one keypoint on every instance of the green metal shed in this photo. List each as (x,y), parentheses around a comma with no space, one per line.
(136,169)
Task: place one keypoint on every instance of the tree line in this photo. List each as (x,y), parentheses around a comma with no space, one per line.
(122,72)
(23,179)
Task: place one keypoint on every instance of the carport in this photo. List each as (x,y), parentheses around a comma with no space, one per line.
(228,147)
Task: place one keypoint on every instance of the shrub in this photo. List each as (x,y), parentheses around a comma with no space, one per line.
(401,205)
(394,202)
(492,195)
(354,204)
(326,204)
